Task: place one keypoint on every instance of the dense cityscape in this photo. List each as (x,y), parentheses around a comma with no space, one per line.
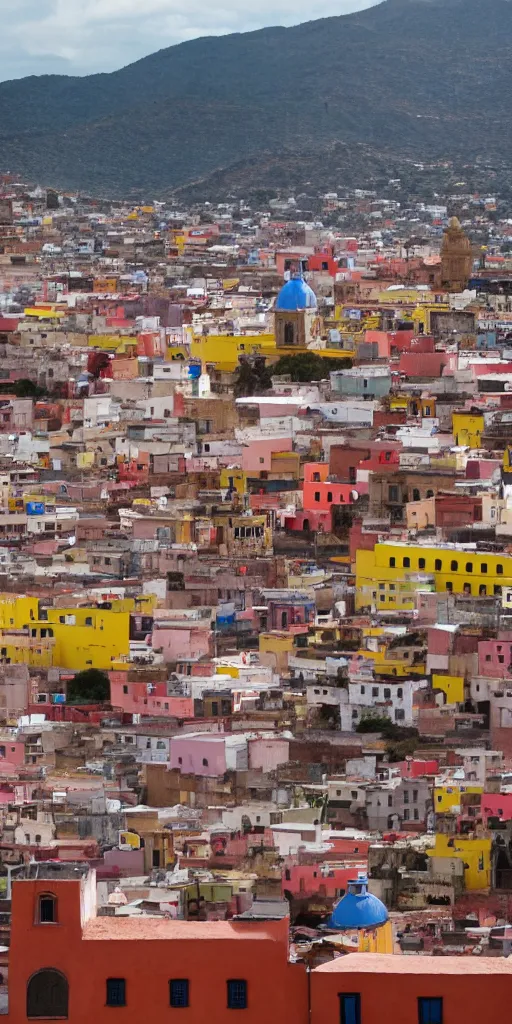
(256,603)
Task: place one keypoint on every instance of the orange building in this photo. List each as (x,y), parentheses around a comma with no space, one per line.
(66,963)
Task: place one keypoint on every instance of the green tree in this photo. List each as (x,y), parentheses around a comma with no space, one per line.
(252,377)
(89,687)
(307,366)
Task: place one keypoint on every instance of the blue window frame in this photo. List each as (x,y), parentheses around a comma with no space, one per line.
(178,993)
(430,1010)
(350,1008)
(116,992)
(237,994)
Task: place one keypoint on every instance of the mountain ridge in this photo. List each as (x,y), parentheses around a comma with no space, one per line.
(423,73)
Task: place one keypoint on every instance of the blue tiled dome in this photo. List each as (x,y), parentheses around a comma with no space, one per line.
(296,294)
(358,909)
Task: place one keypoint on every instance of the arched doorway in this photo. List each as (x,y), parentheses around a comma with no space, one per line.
(47,994)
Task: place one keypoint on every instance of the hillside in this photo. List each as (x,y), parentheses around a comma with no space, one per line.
(426,76)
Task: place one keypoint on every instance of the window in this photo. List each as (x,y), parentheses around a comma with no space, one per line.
(416,494)
(406,796)
(449,588)
(406,814)
(205,762)
(390,801)
(407,563)
(178,993)
(482,590)
(454,565)
(375,691)
(362,690)
(387,694)
(116,992)
(469,566)
(392,563)
(393,492)
(350,1008)
(317,495)
(48,994)
(438,565)
(237,995)
(329,495)
(499,570)
(430,1011)
(47,909)
(430,494)
(467,589)
(497,590)
(415,796)
(421,563)
(483,567)
(88,621)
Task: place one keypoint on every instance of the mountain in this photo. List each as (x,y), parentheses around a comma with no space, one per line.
(430,77)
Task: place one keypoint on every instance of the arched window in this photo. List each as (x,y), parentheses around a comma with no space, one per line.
(289,333)
(47,905)
(48,994)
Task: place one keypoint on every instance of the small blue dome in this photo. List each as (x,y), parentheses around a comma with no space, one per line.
(296,294)
(358,909)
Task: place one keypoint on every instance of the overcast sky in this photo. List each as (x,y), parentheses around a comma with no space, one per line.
(78,37)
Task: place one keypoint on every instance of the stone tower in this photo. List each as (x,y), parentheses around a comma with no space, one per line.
(456,258)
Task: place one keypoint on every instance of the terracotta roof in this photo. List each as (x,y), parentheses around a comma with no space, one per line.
(137,928)
(389,963)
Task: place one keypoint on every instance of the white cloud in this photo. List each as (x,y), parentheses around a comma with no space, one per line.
(85,36)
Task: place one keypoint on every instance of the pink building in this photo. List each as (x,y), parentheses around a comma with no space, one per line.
(496,805)
(186,638)
(140,698)
(203,755)
(303,880)
(257,455)
(268,753)
(208,755)
(495,659)
(12,753)
(319,493)
(413,769)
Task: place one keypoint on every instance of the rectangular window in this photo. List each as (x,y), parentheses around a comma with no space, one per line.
(237,994)
(116,992)
(430,1011)
(317,495)
(350,1008)
(178,993)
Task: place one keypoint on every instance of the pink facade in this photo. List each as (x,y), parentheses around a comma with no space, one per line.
(495,659)
(199,755)
(181,641)
(137,698)
(321,494)
(257,455)
(496,805)
(414,769)
(303,880)
(268,754)
(11,753)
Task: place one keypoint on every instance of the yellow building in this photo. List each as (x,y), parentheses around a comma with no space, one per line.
(452,569)
(72,638)
(233,479)
(448,797)
(225,350)
(452,686)
(467,428)
(475,853)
